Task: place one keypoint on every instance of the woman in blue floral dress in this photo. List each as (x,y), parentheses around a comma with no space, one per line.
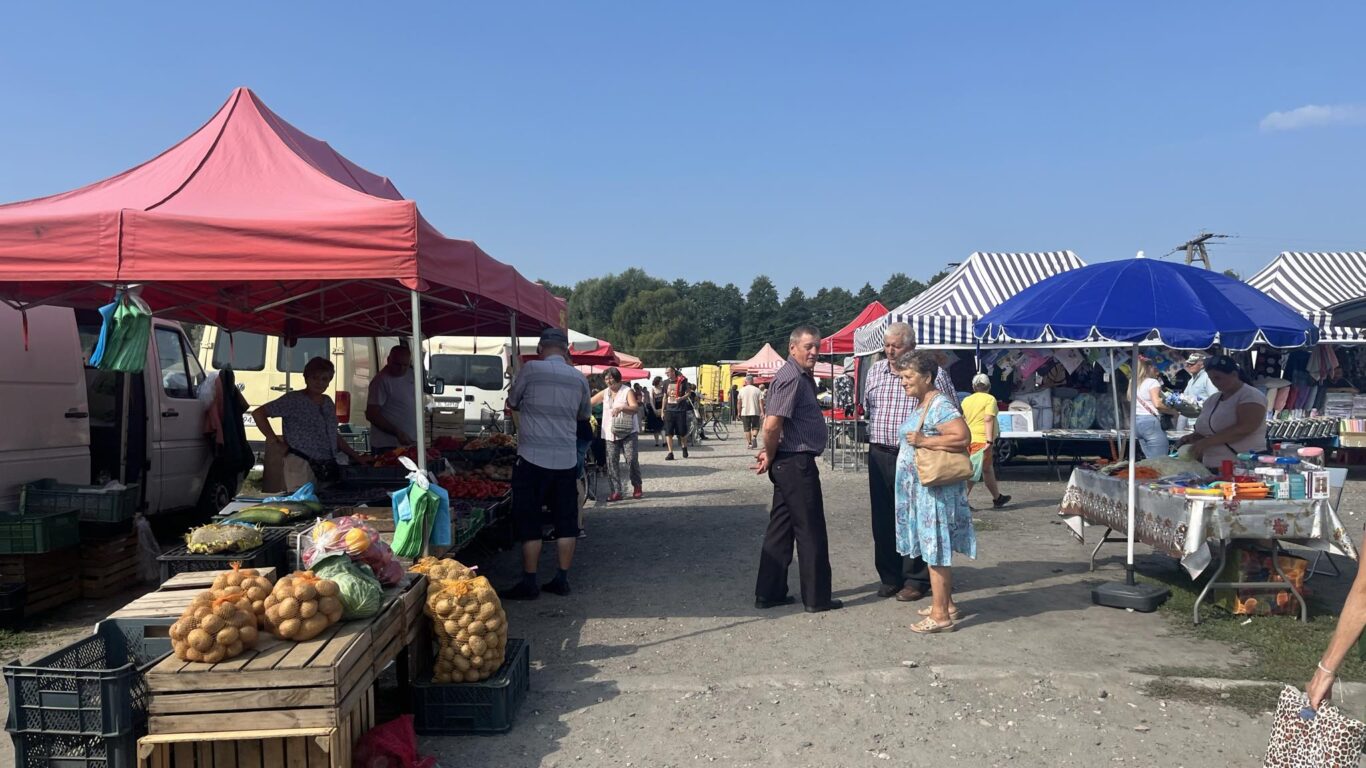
(931,522)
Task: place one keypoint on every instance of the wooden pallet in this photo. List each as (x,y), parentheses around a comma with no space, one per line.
(49,578)
(109,567)
(279,748)
(174,595)
(282,684)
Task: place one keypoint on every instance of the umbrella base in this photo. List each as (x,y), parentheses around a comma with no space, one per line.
(1139,597)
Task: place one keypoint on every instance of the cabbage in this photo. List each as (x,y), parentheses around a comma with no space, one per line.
(361,594)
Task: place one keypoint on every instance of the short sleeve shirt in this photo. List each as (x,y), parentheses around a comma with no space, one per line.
(1220,413)
(552,398)
(309,428)
(792,395)
(977,408)
(751,399)
(393,395)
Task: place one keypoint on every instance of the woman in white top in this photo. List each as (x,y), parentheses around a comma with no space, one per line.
(1148,419)
(1232,420)
(618,400)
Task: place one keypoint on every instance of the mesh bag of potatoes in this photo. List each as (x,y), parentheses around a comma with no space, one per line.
(215,627)
(301,606)
(470,628)
(247,582)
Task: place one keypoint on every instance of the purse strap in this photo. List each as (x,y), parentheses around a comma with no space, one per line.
(926,412)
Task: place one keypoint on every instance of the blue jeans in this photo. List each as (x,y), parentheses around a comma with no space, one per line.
(1151,438)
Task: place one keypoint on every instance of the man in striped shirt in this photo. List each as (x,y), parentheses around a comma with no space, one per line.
(794,435)
(888,408)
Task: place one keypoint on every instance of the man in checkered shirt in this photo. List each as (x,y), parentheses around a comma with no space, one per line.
(888,408)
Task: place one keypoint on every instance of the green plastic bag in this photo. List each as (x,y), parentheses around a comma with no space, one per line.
(420,508)
(126,348)
(361,594)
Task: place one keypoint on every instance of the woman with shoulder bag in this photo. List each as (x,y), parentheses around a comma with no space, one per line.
(621,430)
(932,469)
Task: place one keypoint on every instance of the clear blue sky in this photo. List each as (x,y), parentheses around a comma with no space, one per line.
(822,144)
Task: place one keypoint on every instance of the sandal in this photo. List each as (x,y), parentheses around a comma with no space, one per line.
(931,627)
(954,615)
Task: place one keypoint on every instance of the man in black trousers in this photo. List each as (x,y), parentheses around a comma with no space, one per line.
(794,436)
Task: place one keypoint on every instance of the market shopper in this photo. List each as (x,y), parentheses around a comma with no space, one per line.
(551,399)
(887,404)
(310,441)
(677,408)
(751,401)
(1152,438)
(1348,632)
(980,411)
(1198,388)
(1232,420)
(390,406)
(794,436)
(932,522)
(621,431)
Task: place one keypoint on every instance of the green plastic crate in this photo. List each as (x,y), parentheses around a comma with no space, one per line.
(94,504)
(38,532)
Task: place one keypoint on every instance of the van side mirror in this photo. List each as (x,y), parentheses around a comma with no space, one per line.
(436,386)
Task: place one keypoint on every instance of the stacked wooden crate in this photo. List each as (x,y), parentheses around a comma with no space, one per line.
(109,565)
(50,579)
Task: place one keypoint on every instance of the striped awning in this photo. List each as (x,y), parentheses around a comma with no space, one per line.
(943,315)
(1310,283)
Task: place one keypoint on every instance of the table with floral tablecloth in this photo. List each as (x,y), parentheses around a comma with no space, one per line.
(1180,525)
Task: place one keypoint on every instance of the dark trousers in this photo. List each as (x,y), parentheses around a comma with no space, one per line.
(892,568)
(798,514)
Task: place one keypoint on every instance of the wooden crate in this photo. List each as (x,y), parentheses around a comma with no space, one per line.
(173,596)
(109,566)
(279,748)
(49,577)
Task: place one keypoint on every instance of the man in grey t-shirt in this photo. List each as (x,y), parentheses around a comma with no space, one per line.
(390,405)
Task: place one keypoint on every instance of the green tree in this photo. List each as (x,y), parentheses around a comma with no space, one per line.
(865,296)
(760,317)
(900,289)
(719,313)
(657,324)
(795,311)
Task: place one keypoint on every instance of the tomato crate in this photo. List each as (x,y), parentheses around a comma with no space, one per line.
(271,554)
(487,707)
(93,503)
(38,532)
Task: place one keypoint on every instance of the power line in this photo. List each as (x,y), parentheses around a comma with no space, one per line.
(1195,248)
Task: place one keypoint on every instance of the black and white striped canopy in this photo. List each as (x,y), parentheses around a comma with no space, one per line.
(1310,283)
(943,314)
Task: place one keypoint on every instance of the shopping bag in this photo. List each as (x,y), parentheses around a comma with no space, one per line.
(1303,738)
(125,350)
(422,506)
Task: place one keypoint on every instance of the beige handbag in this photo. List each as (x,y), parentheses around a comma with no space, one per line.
(938,467)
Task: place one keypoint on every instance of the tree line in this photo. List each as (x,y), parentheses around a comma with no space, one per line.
(682,323)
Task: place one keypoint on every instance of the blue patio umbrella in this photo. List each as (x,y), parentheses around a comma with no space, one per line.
(1137,301)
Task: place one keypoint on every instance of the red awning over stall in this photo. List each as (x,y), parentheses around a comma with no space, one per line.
(841,342)
(250,224)
(767,357)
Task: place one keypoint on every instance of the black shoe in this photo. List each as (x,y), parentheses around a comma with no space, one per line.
(557,586)
(887,590)
(763,604)
(522,591)
(670,457)
(833,605)
(1000,501)
(685,451)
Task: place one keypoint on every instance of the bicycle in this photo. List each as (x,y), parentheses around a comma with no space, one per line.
(490,420)
(713,422)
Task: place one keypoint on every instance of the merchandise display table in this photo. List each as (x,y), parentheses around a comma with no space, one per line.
(1180,525)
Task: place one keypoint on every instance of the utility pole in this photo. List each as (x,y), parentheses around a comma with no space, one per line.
(1195,249)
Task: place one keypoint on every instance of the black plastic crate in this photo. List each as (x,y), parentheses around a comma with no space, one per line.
(94,504)
(487,707)
(153,635)
(271,553)
(92,687)
(12,600)
(38,532)
(65,750)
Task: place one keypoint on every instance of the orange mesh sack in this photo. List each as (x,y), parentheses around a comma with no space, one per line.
(215,627)
(247,582)
(301,606)
(470,628)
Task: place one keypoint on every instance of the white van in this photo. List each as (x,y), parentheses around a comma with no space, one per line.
(77,424)
(265,369)
(475,371)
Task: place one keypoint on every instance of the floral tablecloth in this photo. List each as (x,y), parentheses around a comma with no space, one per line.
(1180,525)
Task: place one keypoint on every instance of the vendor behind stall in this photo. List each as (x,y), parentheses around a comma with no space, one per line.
(310,442)
(1232,420)
(390,407)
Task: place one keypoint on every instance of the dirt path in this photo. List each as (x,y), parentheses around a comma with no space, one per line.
(660,659)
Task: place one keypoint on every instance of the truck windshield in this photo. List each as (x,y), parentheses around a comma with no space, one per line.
(481,371)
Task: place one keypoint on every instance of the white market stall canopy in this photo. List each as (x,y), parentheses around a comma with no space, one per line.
(1311,283)
(942,316)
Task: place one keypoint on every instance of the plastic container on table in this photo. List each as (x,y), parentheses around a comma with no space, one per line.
(95,504)
(487,707)
(38,532)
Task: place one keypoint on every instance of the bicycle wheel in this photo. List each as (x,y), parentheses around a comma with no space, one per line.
(720,429)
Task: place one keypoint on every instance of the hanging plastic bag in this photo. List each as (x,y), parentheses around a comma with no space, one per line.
(126,348)
(106,324)
(148,550)
(361,594)
(422,507)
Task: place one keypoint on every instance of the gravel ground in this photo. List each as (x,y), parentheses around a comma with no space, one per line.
(660,659)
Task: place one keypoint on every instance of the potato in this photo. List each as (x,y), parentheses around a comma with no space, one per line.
(478,645)
(450,627)
(217,654)
(314,627)
(305,591)
(465,651)
(461,663)
(487,611)
(189,654)
(212,624)
(248,635)
(329,605)
(462,637)
(289,628)
(179,631)
(200,640)
(471,608)
(235,649)
(308,610)
(492,625)
(464,620)
(289,608)
(473,676)
(443,607)
(328,588)
(486,596)
(476,627)
(226,636)
(477,662)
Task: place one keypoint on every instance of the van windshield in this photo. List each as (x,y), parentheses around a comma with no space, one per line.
(294,359)
(243,351)
(481,371)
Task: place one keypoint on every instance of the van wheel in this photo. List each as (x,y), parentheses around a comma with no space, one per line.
(218,492)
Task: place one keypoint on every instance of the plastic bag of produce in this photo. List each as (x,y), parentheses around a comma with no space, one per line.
(360,592)
(343,535)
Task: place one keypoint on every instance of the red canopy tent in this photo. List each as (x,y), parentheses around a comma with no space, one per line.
(250,224)
(627,374)
(765,358)
(841,342)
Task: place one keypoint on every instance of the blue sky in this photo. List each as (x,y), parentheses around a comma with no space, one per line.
(822,144)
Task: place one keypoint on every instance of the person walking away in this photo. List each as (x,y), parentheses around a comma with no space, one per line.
(932,522)
(551,398)
(390,407)
(617,402)
(676,410)
(1233,419)
(656,426)
(751,400)
(310,440)
(980,411)
(1148,421)
(794,436)
(1199,388)
(887,404)
(735,403)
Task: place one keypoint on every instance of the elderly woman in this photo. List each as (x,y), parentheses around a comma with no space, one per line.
(1232,420)
(310,439)
(931,522)
(980,411)
(618,400)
